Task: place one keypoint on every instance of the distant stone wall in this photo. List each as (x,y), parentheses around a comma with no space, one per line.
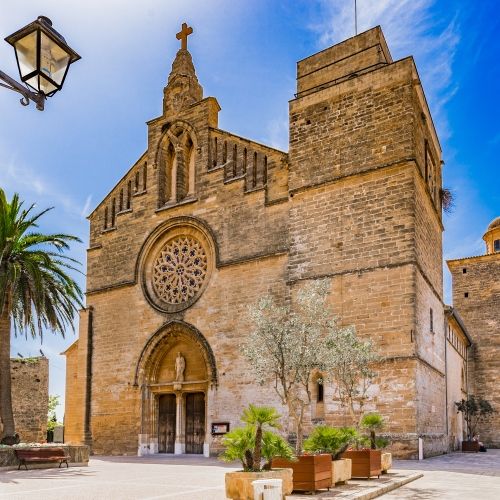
(30,397)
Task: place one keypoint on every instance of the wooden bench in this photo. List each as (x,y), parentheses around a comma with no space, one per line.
(41,454)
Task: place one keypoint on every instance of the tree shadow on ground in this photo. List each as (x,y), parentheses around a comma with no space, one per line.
(197,460)
(11,476)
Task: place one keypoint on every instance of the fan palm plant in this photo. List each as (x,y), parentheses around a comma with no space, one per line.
(258,417)
(36,292)
(372,422)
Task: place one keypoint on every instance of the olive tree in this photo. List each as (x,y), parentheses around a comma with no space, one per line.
(350,363)
(288,344)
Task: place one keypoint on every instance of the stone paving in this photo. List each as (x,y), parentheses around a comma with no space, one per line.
(455,476)
(464,476)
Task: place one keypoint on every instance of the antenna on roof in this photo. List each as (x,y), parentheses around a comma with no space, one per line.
(355,17)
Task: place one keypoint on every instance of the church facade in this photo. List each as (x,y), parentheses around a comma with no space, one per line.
(207,222)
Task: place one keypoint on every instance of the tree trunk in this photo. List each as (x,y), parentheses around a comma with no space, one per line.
(257,451)
(5,376)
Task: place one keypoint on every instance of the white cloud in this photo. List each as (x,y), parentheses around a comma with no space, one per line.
(411,29)
(16,178)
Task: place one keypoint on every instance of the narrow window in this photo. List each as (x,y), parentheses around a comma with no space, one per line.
(264,178)
(496,245)
(106,218)
(464,270)
(466,295)
(113,212)
(320,391)
(235,159)
(136,187)
(120,203)
(145,177)
(431,317)
(245,161)
(129,194)
(214,162)
(224,153)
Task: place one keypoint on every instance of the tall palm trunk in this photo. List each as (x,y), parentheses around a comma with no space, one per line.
(5,376)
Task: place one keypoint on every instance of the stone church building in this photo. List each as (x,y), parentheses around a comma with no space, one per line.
(207,222)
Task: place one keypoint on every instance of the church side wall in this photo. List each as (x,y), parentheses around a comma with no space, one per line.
(480,311)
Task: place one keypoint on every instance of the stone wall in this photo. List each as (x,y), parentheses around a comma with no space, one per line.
(30,398)
(476,296)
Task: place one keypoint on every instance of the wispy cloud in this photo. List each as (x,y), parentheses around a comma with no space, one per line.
(411,28)
(26,181)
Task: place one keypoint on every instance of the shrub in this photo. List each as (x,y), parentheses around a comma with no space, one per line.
(373,422)
(330,440)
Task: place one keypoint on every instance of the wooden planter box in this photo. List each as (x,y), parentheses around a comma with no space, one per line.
(365,463)
(470,446)
(310,472)
(239,484)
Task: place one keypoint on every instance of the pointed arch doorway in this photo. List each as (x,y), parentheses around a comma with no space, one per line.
(177,375)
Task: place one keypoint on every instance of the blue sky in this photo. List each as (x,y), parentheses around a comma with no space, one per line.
(245,52)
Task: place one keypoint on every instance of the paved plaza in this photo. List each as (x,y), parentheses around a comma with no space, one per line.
(122,478)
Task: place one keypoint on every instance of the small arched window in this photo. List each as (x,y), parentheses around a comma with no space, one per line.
(496,246)
(320,391)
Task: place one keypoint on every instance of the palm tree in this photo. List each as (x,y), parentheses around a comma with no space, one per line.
(258,417)
(36,293)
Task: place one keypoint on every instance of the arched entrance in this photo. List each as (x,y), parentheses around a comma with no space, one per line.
(176,373)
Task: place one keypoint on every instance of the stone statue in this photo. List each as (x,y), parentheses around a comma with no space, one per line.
(180,366)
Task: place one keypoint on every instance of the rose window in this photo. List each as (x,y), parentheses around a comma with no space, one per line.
(179,270)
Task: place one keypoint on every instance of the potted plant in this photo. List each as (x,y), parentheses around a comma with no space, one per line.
(475,410)
(334,441)
(287,347)
(252,445)
(367,462)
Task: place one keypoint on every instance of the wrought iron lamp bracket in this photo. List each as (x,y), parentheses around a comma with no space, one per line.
(37,97)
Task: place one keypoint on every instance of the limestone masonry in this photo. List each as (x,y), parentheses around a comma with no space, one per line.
(206,222)
(30,397)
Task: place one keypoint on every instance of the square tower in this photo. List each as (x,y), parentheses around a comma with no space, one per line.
(365,179)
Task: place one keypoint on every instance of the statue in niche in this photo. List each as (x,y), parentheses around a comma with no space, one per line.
(180,366)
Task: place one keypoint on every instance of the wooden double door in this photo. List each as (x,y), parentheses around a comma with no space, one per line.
(194,423)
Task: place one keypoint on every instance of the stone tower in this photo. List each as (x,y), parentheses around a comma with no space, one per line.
(476,295)
(364,182)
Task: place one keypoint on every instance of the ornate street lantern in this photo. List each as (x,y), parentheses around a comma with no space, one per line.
(43,58)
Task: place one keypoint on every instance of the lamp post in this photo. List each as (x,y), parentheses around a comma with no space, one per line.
(43,58)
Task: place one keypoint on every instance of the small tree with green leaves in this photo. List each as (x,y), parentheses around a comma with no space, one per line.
(52,422)
(251,443)
(288,345)
(476,411)
(373,422)
(351,361)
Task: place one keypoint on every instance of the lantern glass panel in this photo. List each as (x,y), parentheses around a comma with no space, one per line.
(54,61)
(26,54)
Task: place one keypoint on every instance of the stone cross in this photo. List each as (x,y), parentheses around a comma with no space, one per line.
(183,35)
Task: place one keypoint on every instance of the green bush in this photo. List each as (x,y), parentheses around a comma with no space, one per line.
(325,439)
(251,443)
(373,422)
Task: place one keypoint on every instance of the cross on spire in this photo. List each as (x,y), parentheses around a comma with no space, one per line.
(183,34)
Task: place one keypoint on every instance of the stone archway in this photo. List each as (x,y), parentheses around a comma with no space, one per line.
(176,373)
